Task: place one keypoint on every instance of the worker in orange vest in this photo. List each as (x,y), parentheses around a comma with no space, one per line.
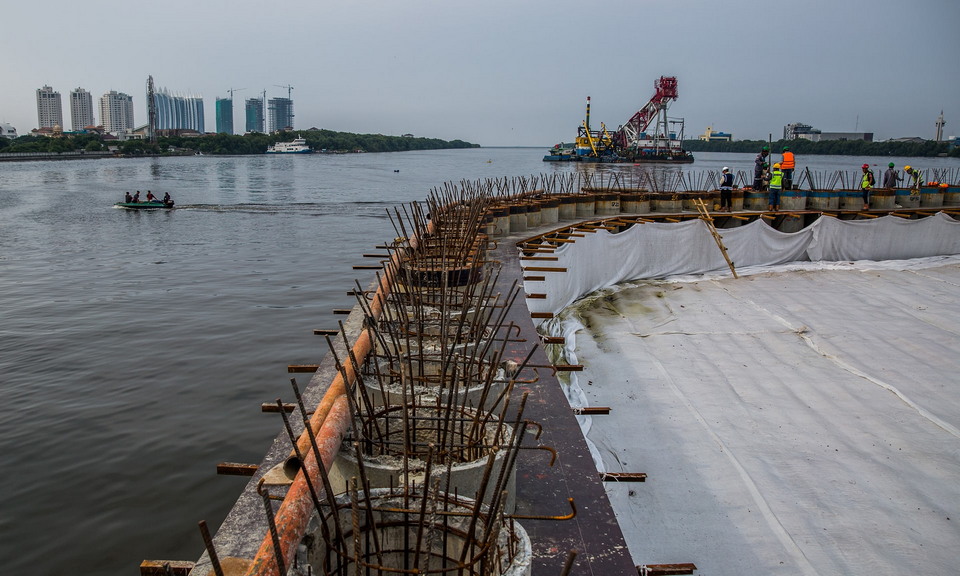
(787,165)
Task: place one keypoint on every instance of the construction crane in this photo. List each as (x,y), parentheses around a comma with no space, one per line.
(631,140)
(289,90)
(593,143)
(232,90)
(656,108)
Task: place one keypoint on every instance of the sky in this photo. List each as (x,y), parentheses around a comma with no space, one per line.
(503,72)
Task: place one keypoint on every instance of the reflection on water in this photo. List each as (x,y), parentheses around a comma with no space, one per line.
(136,347)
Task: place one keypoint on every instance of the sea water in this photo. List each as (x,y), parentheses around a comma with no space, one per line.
(137,347)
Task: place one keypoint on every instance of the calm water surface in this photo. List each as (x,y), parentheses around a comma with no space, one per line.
(136,348)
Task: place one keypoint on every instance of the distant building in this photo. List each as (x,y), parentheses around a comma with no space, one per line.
(178,112)
(81,110)
(806,132)
(710,136)
(281,114)
(939,124)
(224,115)
(116,112)
(8,131)
(254,115)
(49,108)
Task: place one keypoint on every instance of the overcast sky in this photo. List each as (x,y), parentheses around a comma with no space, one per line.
(503,72)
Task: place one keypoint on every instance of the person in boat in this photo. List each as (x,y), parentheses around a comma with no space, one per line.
(151,197)
(759,167)
(127,197)
(166,198)
(136,197)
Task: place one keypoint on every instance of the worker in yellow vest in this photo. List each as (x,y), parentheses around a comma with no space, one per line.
(788,164)
(866,183)
(776,184)
(915,176)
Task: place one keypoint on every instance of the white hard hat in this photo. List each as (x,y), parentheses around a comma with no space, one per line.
(725,169)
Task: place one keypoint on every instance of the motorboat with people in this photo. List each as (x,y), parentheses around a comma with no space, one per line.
(133,202)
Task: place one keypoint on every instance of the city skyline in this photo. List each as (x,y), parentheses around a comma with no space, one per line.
(504,73)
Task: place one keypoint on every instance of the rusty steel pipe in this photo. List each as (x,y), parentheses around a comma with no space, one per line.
(330,423)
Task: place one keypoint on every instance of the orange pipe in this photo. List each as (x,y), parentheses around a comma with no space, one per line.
(330,422)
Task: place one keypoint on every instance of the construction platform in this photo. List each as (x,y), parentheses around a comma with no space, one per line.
(560,496)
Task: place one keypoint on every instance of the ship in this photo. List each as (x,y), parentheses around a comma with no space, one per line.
(649,136)
(297,146)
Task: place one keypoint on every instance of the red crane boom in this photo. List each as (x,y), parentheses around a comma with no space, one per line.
(666,91)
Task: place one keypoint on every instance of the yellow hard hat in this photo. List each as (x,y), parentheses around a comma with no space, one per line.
(907,168)
(776,165)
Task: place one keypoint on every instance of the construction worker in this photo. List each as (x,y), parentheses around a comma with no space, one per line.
(776,184)
(866,183)
(912,172)
(726,190)
(891,177)
(759,167)
(787,165)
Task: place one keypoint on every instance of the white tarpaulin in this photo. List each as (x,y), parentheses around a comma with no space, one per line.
(658,250)
(801,420)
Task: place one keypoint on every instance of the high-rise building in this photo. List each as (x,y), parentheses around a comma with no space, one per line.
(177,112)
(49,108)
(281,114)
(81,110)
(254,114)
(225,115)
(116,111)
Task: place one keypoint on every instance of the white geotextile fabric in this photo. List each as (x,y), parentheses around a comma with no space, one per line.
(659,250)
(801,420)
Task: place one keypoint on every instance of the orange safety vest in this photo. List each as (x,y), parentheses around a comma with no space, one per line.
(787,163)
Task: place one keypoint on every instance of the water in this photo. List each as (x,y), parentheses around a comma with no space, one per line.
(137,347)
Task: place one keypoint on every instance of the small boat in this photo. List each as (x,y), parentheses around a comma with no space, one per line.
(155,205)
(561,153)
(297,146)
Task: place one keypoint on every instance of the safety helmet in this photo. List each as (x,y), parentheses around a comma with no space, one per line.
(890,164)
(765,149)
(865,166)
(725,169)
(907,168)
(785,148)
(777,165)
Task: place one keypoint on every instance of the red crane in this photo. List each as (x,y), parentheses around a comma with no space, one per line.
(629,133)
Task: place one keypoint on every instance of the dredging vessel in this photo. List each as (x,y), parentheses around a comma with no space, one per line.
(649,136)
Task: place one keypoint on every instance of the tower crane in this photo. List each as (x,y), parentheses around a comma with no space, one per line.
(289,90)
(232,90)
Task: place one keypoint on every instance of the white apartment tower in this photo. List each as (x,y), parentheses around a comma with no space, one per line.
(49,108)
(116,111)
(81,110)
